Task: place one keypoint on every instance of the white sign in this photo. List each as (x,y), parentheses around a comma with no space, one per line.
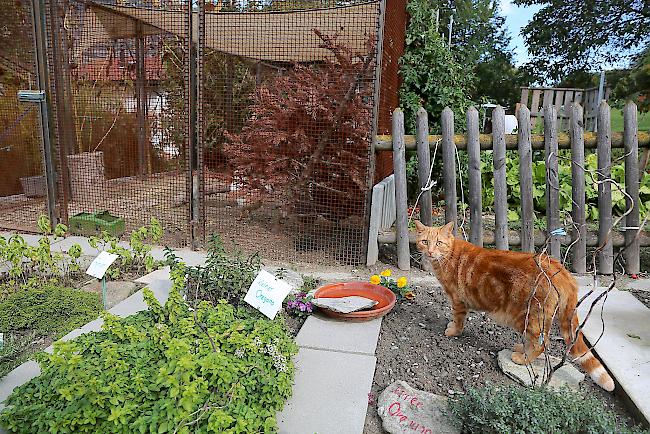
(267,293)
(100,264)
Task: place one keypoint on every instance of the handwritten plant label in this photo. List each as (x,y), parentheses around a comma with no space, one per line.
(100,264)
(267,293)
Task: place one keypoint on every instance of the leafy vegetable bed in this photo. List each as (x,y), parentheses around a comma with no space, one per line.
(168,369)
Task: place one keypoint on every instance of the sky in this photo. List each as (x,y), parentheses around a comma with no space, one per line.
(516,18)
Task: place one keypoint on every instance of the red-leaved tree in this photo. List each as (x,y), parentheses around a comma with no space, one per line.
(307,141)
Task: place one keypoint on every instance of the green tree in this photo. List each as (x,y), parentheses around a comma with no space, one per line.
(635,84)
(573,35)
(431,75)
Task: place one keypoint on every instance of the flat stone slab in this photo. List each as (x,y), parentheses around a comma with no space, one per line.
(566,375)
(160,274)
(330,393)
(345,304)
(292,277)
(190,257)
(640,285)
(323,333)
(116,291)
(404,409)
(624,347)
(135,303)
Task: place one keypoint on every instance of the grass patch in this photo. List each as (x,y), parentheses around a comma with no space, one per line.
(617,121)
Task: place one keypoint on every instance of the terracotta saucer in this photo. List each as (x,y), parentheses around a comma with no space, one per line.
(385,297)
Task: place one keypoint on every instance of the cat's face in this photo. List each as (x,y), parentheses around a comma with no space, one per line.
(434,243)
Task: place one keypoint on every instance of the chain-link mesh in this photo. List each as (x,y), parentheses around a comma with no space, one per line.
(22,179)
(287,93)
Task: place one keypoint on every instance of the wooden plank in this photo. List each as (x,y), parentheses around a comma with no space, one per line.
(524,95)
(548,99)
(606,252)
(500,187)
(578,98)
(630,127)
(475,183)
(449,167)
(424,166)
(534,107)
(388,209)
(526,179)
(399,169)
(384,142)
(559,100)
(579,233)
(376,207)
(565,113)
(552,182)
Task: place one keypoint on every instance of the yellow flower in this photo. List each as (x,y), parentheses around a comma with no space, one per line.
(401,282)
(410,295)
(375,280)
(386,272)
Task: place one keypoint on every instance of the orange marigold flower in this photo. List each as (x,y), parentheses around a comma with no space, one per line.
(386,272)
(375,279)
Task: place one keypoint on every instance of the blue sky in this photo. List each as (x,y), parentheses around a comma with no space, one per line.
(516,18)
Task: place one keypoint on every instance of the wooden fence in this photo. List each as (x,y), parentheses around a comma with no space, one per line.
(607,236)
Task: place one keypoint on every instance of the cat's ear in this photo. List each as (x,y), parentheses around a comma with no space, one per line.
(447,230)
(419,226)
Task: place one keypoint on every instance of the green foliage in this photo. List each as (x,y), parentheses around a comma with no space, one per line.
(431,76)
(635,83)
(225,275)
(31,266)
(565,182)
(513,409)
(137,256)
(167,369)
(569,35)
(30,316)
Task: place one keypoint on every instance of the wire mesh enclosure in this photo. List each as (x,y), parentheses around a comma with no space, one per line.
(251,120)
(22,179)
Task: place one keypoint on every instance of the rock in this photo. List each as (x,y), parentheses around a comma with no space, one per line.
(344,304)
(567,375)
(291,277)
(406,410)
(116,291)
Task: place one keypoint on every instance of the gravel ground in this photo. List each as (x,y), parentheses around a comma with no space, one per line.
(412,347)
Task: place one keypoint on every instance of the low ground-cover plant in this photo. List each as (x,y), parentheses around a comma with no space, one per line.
(514,409)
(35,316)
(172,368)
(400,286)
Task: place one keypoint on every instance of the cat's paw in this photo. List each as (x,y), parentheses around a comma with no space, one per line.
(518,348)
(519,358)
(452,330)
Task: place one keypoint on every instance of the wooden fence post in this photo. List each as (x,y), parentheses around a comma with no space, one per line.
(552,180)
(606,252)
(526,179)
(449,167)
(399,168)
(500,186)
(579,234)
(475,183)
(424,166)
(630,126)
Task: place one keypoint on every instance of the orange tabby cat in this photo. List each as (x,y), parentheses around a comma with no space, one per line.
(502,283)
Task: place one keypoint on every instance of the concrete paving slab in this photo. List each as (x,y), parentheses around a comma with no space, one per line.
(160,274)
(64,244)
(639,284)
(625,344)
(330,394)
(31,239)
(585,279)
(135,303)
(322,333)
(190,257)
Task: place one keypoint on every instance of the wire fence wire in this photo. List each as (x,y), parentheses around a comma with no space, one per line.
(252,120)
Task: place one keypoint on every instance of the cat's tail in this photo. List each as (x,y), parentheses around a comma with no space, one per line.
(579,351)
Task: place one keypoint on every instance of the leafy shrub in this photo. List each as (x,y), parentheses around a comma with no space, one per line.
(225,275)
(309,133)
(168,369)
(513,409)
(137,256)
(29,318)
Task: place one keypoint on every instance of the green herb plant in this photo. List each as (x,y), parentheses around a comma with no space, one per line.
(170,369)
(136,256)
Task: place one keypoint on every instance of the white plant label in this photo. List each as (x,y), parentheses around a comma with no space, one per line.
(100,264)
(267,293)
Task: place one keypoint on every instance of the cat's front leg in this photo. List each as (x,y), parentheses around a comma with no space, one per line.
(455,327)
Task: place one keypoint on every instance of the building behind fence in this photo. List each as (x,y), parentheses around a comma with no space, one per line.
(166,109)
(617,223)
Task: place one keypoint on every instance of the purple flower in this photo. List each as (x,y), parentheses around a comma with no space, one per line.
(292,304)
(302,294)
(310,307)
(302,306)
